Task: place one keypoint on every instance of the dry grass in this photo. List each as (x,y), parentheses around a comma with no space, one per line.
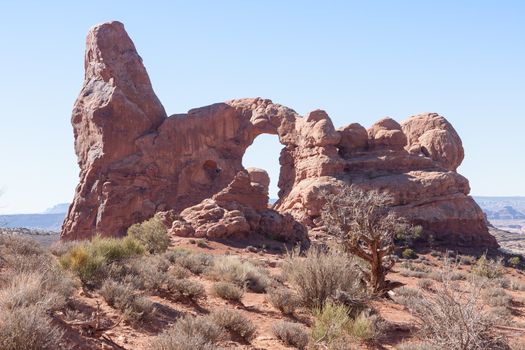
(189,333)
(186,289)
(242,273)
(228,291)
(28,328)
(451,318)
(318,276)
(125,298)
(235,323)
(291,334)
(283,299)
(196,263)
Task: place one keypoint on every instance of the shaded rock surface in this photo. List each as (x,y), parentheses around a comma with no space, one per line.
(135,161)
(239,210)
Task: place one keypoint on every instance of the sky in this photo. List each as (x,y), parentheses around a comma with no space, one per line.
(358,60)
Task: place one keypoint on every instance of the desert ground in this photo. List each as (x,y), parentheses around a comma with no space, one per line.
(183,281)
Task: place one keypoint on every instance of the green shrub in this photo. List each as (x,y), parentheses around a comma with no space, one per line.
(514,261)
(152,233)
(331,323)
(488,268)
(291,334)
(283,299)
(234,322)
(409,254)
(242,273)
(318,276)
(86,259)
(363,327)
(228,291)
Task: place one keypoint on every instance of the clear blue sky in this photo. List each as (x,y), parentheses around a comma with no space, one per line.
(358,60)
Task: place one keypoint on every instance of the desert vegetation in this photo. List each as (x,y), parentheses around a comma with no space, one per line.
(186,296)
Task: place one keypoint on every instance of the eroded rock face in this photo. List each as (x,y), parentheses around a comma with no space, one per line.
(239,210)
(135,161)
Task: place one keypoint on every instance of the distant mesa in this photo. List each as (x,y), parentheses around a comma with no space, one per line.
(50,219)
(135,160)
(60,208)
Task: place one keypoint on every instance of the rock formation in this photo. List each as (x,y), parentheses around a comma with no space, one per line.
(135,161)
(239,210)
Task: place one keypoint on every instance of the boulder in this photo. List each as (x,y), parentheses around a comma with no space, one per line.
(238,211)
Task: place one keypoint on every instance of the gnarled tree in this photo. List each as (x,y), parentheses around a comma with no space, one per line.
(366,227)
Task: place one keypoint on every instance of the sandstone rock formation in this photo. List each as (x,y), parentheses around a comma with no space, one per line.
(135,161)
(239,210)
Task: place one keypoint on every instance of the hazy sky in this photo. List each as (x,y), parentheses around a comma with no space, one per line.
(358,60)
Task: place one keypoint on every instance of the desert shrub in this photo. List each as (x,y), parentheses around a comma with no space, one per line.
(496,297)
(501,315)
(86,259)
(125,298)
(228,291)
(202,244)
(28,289)
(436,276)
(189,333)
(488,268)
(242,273)
(196,263)
(48,287)
(453,319)
(333,323)
(408,254)
(178,271)
(173,255)
(318,276)
(283,299)
(457,276)
(516,285)
(409,265)
(152,233)
(186,288)
(467,260)
(61,247)
(28,328)
(413,274)
(514,261)
(424,284)
(19,245)
(234,322)
(363,327)
(291,334)
(151,271)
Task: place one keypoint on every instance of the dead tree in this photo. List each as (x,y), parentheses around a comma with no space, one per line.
(366,227)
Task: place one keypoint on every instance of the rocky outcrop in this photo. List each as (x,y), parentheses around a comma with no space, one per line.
(239,210)
(135,161)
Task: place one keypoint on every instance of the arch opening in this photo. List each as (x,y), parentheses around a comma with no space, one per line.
(264,153)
